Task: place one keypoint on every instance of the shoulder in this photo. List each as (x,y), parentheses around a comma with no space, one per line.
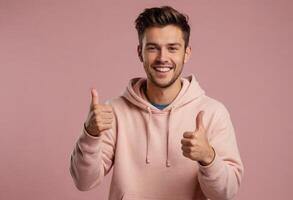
(118,103)
(213,105)
(215,112)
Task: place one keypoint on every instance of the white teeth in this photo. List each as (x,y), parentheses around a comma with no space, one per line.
(162,69)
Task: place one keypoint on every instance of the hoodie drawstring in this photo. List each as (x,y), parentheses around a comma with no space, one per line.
(168,164)
(148,135)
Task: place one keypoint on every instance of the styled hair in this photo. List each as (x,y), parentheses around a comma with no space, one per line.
(160,17)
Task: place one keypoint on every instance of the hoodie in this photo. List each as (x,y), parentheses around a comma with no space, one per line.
(144,149)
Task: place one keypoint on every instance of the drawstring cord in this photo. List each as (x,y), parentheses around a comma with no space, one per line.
(168,164)
(148,135)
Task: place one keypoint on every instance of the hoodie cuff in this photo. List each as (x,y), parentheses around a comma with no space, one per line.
(90,139)
(213,169)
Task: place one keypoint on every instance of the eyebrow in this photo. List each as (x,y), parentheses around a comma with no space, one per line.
(174,44)
(169,44)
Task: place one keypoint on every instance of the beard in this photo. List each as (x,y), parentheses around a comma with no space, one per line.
(169,83)
(176,75)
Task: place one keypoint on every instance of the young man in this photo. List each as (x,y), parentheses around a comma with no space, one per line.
(164,137)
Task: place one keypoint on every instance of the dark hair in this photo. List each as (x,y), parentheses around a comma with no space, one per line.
(159,17)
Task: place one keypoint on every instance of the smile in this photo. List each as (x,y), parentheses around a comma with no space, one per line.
(163,69)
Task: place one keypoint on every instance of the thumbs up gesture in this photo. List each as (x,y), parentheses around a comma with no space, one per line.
(195,145)
(100,116)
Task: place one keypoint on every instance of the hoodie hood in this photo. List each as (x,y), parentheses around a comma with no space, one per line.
(190,91)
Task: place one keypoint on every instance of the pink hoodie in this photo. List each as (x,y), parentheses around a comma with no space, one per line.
(144,148)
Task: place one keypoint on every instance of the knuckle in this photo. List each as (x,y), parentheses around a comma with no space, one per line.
(97,121)
(96,112)
(99,118)
(95,106)
(192,142)
(99,124)
(105,106)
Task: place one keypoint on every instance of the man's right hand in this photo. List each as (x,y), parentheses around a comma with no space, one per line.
(100,116)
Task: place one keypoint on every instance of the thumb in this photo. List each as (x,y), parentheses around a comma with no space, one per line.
(95,96)
(199,121)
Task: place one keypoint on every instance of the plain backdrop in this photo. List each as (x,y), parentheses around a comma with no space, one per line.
(52,52)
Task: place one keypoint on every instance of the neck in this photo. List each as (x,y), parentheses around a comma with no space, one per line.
(162,96)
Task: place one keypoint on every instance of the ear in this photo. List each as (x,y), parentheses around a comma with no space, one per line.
(139,53)
(187,54)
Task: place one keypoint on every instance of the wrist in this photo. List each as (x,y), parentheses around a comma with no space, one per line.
(210,158)
(87,130)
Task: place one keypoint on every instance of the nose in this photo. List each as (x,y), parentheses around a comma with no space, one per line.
(163,55)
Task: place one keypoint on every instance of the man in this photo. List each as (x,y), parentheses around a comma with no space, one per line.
(164,137)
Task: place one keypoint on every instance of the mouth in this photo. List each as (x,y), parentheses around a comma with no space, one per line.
(163,69)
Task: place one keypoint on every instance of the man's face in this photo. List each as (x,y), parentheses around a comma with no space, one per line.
(163,54)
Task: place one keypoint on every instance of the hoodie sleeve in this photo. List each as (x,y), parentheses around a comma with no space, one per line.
(92,158)
(221,179)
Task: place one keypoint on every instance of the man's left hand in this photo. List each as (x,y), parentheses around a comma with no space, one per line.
(195,145)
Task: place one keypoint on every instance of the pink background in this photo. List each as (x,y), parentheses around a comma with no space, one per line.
(52,52)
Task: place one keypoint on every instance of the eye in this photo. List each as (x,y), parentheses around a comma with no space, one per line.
(173,49)
(151,48)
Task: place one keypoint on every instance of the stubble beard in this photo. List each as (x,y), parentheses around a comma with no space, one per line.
(171,82)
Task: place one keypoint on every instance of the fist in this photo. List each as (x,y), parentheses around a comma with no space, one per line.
(100,116)
(195,145)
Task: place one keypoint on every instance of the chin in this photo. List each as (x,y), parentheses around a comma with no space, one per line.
(164,84)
